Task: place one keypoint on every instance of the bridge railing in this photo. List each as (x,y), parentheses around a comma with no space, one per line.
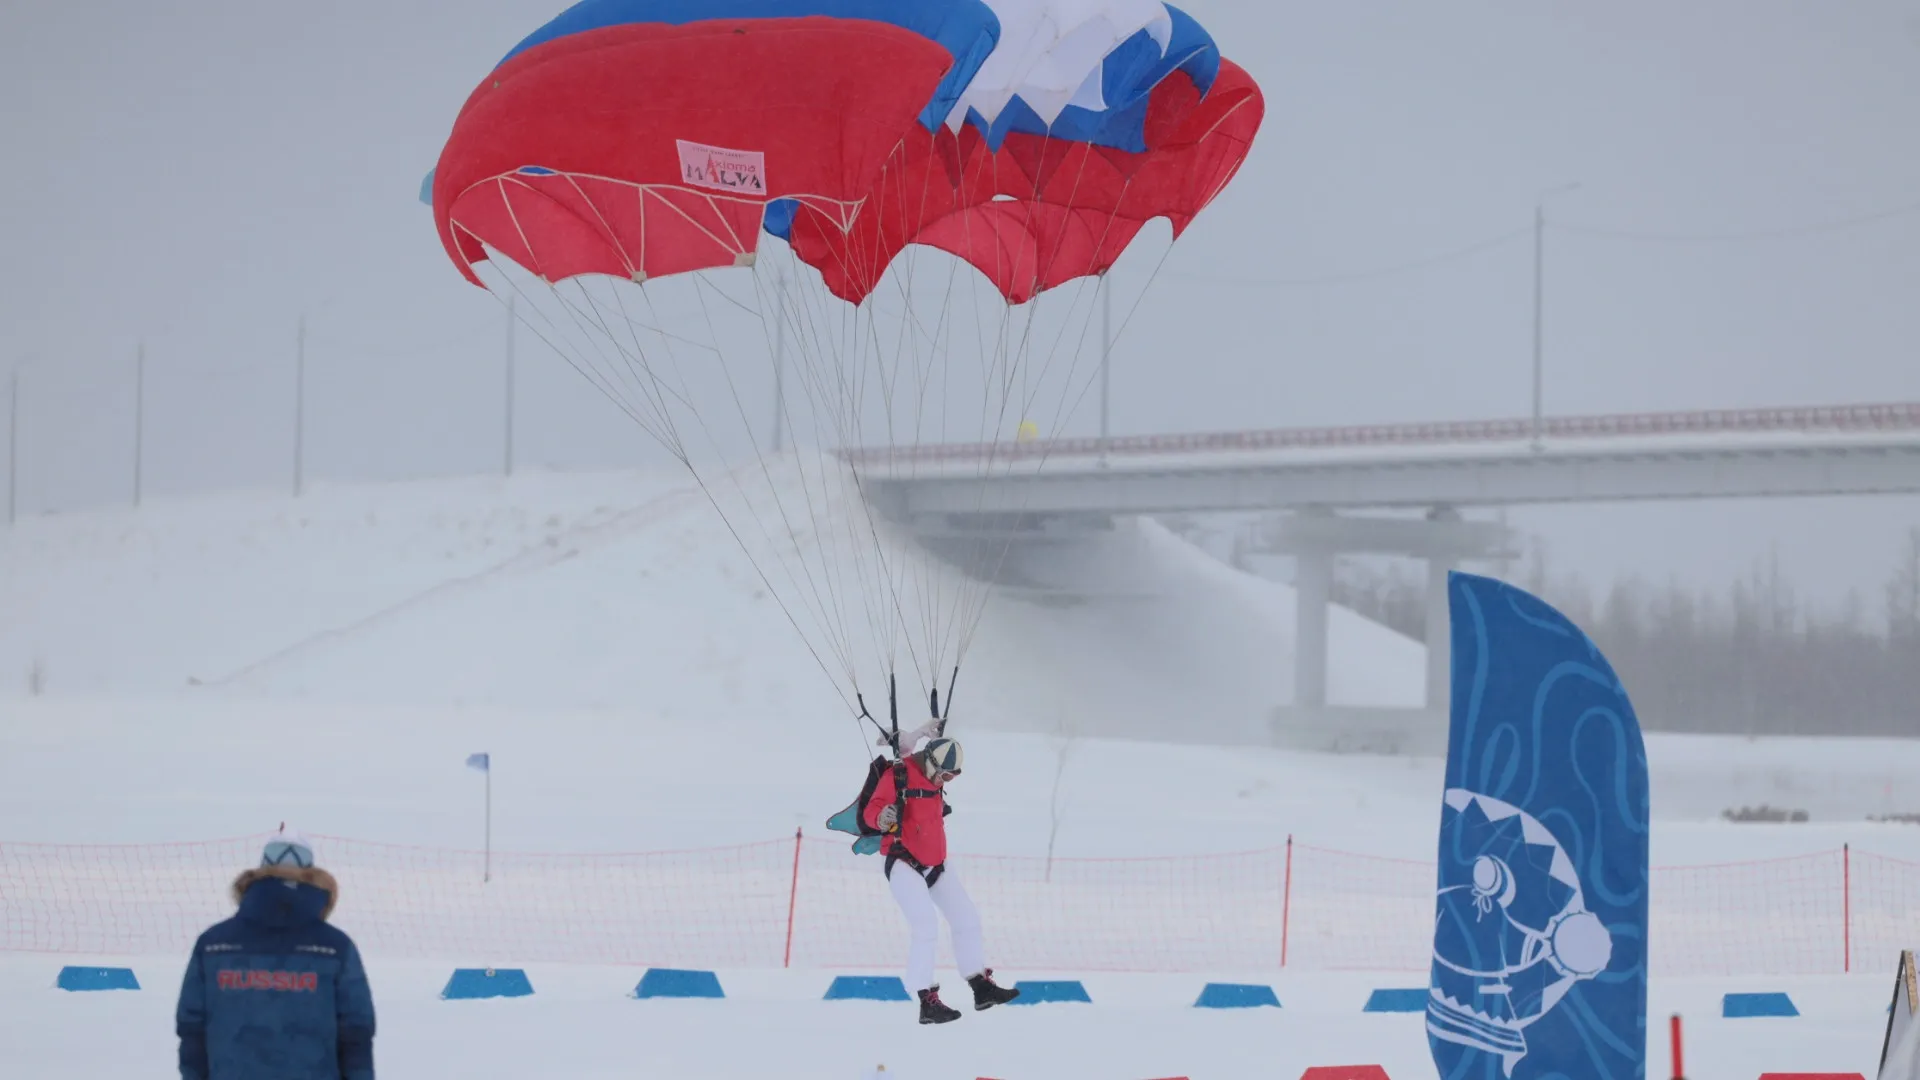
(1808,420)
(806,902)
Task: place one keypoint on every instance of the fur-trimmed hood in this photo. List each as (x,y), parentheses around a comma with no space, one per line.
(311,875)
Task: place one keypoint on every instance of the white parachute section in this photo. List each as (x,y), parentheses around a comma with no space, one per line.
(1051,53)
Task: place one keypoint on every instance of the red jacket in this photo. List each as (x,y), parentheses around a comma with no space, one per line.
(924,828)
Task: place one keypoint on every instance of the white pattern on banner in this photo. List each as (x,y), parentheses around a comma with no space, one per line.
(739,172)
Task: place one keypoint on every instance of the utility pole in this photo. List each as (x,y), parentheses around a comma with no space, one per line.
(300,408)
(1106,354)
(509,428)
(13,447)
(1539,305)
(779,362)
(1539,268)
(139,419)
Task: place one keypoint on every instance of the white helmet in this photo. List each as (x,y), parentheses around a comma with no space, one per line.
(941,756)
(287,848)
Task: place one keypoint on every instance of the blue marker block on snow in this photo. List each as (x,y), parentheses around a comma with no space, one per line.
(470,983)
(674,983)
(1236,996)
(868,988)
(97,978)
(1746,1005)
(1034,993)
(1397,1001)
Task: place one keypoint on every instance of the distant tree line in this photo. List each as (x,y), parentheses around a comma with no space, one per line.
(1752,659)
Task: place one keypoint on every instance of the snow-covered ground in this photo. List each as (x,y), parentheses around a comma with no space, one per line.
(582,1024)
(619,591)
(212,667)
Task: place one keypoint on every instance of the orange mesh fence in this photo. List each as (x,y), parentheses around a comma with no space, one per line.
(813,903)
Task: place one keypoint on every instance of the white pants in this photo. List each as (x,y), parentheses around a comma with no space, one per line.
(918,902)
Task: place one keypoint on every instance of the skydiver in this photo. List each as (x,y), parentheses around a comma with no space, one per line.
(915,845)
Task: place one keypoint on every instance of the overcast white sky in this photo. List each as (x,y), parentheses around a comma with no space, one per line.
(196,175)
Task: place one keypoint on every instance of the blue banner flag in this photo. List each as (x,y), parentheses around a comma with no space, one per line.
(483,762)
(1540,928)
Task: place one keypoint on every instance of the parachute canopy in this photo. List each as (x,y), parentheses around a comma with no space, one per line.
(639,138)
(892,197)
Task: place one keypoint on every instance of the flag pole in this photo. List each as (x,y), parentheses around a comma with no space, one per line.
(484,762)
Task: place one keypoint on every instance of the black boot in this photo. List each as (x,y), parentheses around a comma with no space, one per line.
(933,1010)
(986,994)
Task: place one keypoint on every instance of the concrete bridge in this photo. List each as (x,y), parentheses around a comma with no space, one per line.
(1347,490)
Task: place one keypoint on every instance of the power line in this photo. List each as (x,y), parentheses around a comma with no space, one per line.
(1785,232)
(1500,240)
(1441,259)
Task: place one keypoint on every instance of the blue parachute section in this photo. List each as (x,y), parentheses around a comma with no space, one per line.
(778,219)
(1540,936)
(967,29)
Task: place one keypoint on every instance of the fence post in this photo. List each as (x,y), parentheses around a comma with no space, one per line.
(793,894)
(1846,906)
(1679,1070)
(1286,902)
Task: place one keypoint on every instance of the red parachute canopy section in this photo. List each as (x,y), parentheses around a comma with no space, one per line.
(646,149)
(1041,211)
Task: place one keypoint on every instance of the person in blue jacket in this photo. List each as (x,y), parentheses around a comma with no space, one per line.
(276,992)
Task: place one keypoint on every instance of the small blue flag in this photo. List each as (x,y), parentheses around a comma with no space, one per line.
(483,762)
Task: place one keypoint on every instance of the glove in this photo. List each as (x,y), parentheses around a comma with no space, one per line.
(889,817)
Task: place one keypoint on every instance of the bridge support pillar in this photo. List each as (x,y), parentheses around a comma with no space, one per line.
(1315,537)
(1313,589)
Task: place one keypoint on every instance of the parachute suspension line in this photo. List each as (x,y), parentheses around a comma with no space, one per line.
(587,372)
(899,759)
(1069,402)
(773,490)
(847,422)
(927,580)
(814,510)
(650,387)
(848,378)
(969,616)
(589,316)
(886,374)
(601,380)
(916,574)
(817,377)
(905,576)
(863,714)
(936,614)
(1000,373)
(676,443)
(1139,298)
(1010,366)
(652,390)
(940,728)
(887,580)
(838,646)
(989,323)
